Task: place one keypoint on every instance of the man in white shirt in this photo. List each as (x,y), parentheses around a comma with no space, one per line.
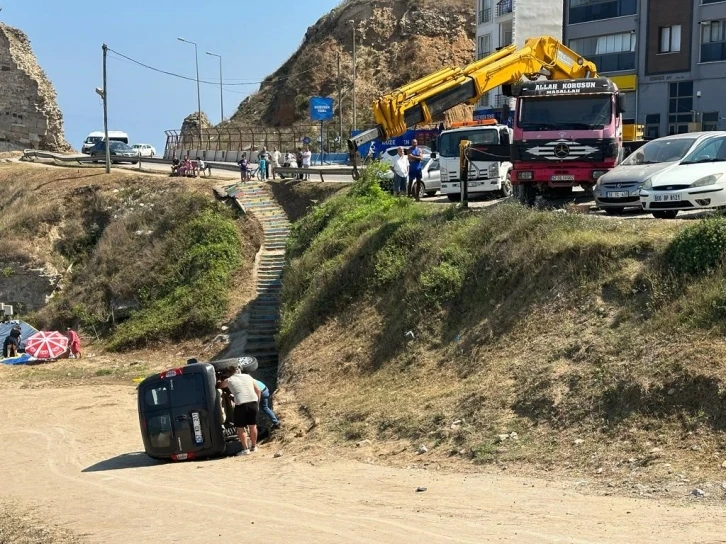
(306,158)
(400,172)
(275,158)
(246,397)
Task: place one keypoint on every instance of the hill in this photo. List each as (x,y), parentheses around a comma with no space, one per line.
(398,41)
(508,337)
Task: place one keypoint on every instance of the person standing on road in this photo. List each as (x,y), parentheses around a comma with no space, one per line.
(243,164)
(246,397)
(275,160)
(307,157)
(262,165)
(400,168)
(265,403)
(74,343)
(414,167)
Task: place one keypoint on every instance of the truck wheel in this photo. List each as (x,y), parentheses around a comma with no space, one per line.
(506,189)
(665,214)
(527,194)
(453,198)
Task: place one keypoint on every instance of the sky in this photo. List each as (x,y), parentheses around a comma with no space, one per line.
(253,38)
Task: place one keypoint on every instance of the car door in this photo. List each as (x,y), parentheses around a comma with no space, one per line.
(190,412)
(434,176)
(156,418)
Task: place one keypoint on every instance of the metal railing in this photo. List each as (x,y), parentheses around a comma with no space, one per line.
(504,7)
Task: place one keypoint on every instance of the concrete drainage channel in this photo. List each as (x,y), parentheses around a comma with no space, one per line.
(264,311)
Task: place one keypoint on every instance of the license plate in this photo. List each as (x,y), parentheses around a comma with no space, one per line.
(618,194)
(667,198)
(198,438)
(562,177)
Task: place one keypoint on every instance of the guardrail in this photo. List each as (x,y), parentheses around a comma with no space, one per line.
(282,170)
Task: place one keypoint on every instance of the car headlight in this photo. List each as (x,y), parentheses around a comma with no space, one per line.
(526,175)
(494,170)
(647,184)
(597,174)
(708,180)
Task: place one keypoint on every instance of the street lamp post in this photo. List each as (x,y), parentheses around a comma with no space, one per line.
(221,91)
(199,98)
(352,23)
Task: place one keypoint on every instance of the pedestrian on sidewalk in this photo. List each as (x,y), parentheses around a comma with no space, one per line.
(307,157)
(265,404)
(243,167)
(74,343)
(400,172)
(415,173)
(246,397)
(275,160)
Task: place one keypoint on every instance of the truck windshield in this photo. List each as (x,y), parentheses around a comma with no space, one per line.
(565,112)
(449,141)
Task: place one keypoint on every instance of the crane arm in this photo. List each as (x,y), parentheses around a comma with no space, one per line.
(424,99)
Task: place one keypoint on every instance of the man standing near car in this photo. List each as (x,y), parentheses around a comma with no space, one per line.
(400,168)
(246,397)
(414,168)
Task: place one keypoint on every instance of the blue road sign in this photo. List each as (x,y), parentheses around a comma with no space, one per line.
(321,109)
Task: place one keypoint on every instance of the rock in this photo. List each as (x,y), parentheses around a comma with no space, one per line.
(723,465)
(224,328)
(513,435)
(672,391)
(502,437)
(723,485)
(362,443)
(656,450)
(462,452)
(420,489)
(456,424)
(579,441)
(278,454)
(598,471)
(696,448)
(422,449)
(698,493)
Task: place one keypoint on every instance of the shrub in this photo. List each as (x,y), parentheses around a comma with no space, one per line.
(699,248)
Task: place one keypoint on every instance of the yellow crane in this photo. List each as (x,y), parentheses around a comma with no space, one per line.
(432,95)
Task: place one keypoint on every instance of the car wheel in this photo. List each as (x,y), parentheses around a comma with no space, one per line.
(453,198)
(613,211)
(665,214)
(421,190)
(506,189)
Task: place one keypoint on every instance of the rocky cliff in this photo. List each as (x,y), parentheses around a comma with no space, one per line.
(397,42)
(29,114)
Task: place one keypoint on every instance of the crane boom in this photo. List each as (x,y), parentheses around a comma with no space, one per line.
(432,95)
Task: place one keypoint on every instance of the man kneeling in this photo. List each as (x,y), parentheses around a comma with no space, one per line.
(246,396)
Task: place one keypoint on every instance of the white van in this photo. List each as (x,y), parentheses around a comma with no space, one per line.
(484,176)
(94,137)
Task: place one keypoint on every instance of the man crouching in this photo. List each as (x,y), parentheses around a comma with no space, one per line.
(246,397)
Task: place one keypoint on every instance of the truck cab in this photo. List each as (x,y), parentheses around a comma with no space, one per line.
(567,133)
(486,175)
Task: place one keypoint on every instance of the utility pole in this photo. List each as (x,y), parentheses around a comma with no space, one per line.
(105,111)
(355,75)
(340,107)
(221,90)
(199,99)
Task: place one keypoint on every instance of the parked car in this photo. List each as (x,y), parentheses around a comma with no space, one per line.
(697,182)
(387,155)
(120,152)
(430,175)
(145,150)
(620,188)
(182,414)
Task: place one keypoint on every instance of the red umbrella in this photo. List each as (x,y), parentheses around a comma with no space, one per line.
(47,344)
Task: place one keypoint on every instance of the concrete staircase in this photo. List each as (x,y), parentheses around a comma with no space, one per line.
(264,311)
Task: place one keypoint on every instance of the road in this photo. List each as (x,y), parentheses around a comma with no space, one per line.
(73,453)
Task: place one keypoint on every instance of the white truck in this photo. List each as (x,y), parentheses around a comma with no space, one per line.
(485,177)
(94,137)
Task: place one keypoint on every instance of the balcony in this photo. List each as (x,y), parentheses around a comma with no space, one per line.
(485,15)
(713,52)
(597,11)
(614,62)
(504,7)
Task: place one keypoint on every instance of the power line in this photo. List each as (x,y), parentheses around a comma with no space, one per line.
(172,74)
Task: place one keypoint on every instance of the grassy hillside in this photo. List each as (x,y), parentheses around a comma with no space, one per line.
(598,343)
(143,259)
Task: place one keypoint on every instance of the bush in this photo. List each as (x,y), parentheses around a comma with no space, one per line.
(699,248)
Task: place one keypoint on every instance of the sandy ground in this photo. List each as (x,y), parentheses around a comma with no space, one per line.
(73,455)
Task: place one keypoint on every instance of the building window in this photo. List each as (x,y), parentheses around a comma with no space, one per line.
(670,39)
(582,11)
(710,1)
(485,11)
(709,120)
(680,106)
(652,126)
(506,36)
(484,46)
(713,41)
(504,7)
(611,53)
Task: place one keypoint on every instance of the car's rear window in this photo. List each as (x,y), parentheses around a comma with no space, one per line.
(160,431)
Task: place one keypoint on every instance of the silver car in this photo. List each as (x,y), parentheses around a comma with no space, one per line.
(620,187)
(430,176)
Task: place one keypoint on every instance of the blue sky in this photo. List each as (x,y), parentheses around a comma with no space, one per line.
(254,38)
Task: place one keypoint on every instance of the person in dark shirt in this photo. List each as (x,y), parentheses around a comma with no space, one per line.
(11,345)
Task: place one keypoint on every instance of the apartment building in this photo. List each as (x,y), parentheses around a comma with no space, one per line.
(504,22)
(668,55)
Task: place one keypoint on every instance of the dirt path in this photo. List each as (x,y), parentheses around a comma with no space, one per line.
(81,470)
